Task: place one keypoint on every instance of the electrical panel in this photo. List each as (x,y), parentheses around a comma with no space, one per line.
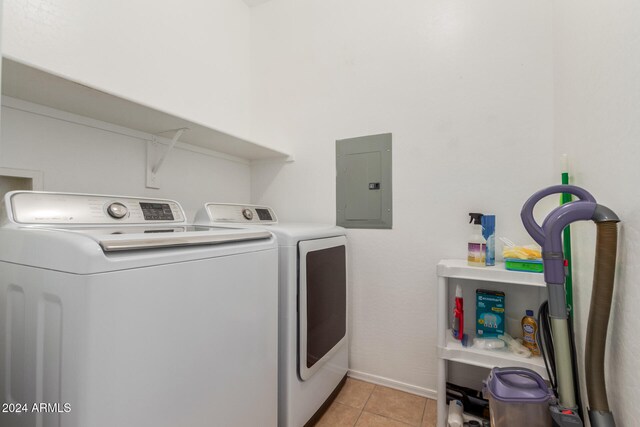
(363,182)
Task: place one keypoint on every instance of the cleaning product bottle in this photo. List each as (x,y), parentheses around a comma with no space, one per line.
(477,245)
(529,333)
(489,233)
(454,418)
(457,327)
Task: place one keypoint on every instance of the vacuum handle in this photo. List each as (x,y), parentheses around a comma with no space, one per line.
(530,224)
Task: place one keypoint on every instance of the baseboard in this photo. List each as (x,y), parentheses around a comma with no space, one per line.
(409,388)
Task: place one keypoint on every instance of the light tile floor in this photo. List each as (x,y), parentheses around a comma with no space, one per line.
(363,404)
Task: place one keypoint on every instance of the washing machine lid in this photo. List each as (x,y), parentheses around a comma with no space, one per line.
(138,238)
(78,233)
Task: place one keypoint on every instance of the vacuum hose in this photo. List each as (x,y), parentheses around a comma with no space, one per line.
(602,294)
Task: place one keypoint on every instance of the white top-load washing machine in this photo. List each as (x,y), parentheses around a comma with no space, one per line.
(313,337)
(116,313)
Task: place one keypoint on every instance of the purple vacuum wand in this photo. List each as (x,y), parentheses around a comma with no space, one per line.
(549,235)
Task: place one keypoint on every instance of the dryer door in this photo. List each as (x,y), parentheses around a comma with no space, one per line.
(322,301)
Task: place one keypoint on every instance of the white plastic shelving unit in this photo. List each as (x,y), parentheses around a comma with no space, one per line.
(450,349)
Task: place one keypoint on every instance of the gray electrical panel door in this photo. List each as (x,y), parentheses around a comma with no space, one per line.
(363,182)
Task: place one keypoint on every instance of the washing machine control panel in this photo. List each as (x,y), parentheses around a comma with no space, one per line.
(68,208)
(157,211)
(219,213)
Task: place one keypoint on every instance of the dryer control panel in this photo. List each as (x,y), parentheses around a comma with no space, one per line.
(40,208)
(224,213)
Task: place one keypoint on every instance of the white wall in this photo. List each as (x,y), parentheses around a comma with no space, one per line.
(597,110)
(84,159)
(190,59)
(465,88)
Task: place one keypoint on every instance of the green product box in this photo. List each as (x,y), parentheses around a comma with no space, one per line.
(489,313)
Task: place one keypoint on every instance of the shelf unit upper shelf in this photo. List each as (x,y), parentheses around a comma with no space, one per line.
(41,87)
(458,269)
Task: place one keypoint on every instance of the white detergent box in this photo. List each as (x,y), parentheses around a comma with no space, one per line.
(489,313)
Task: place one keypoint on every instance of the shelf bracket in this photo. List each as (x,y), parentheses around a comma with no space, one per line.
(157,153)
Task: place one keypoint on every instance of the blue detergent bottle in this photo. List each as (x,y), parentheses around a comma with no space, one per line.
(489,234)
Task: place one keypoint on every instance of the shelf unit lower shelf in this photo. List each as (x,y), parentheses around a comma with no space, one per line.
(455,352)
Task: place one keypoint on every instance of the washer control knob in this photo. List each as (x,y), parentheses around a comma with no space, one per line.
(247,214)
(117,210)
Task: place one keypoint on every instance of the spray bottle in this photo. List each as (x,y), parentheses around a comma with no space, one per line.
(457,327)
(477,245)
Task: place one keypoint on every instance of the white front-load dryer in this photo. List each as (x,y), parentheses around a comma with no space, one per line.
(117,313)
(313,308)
